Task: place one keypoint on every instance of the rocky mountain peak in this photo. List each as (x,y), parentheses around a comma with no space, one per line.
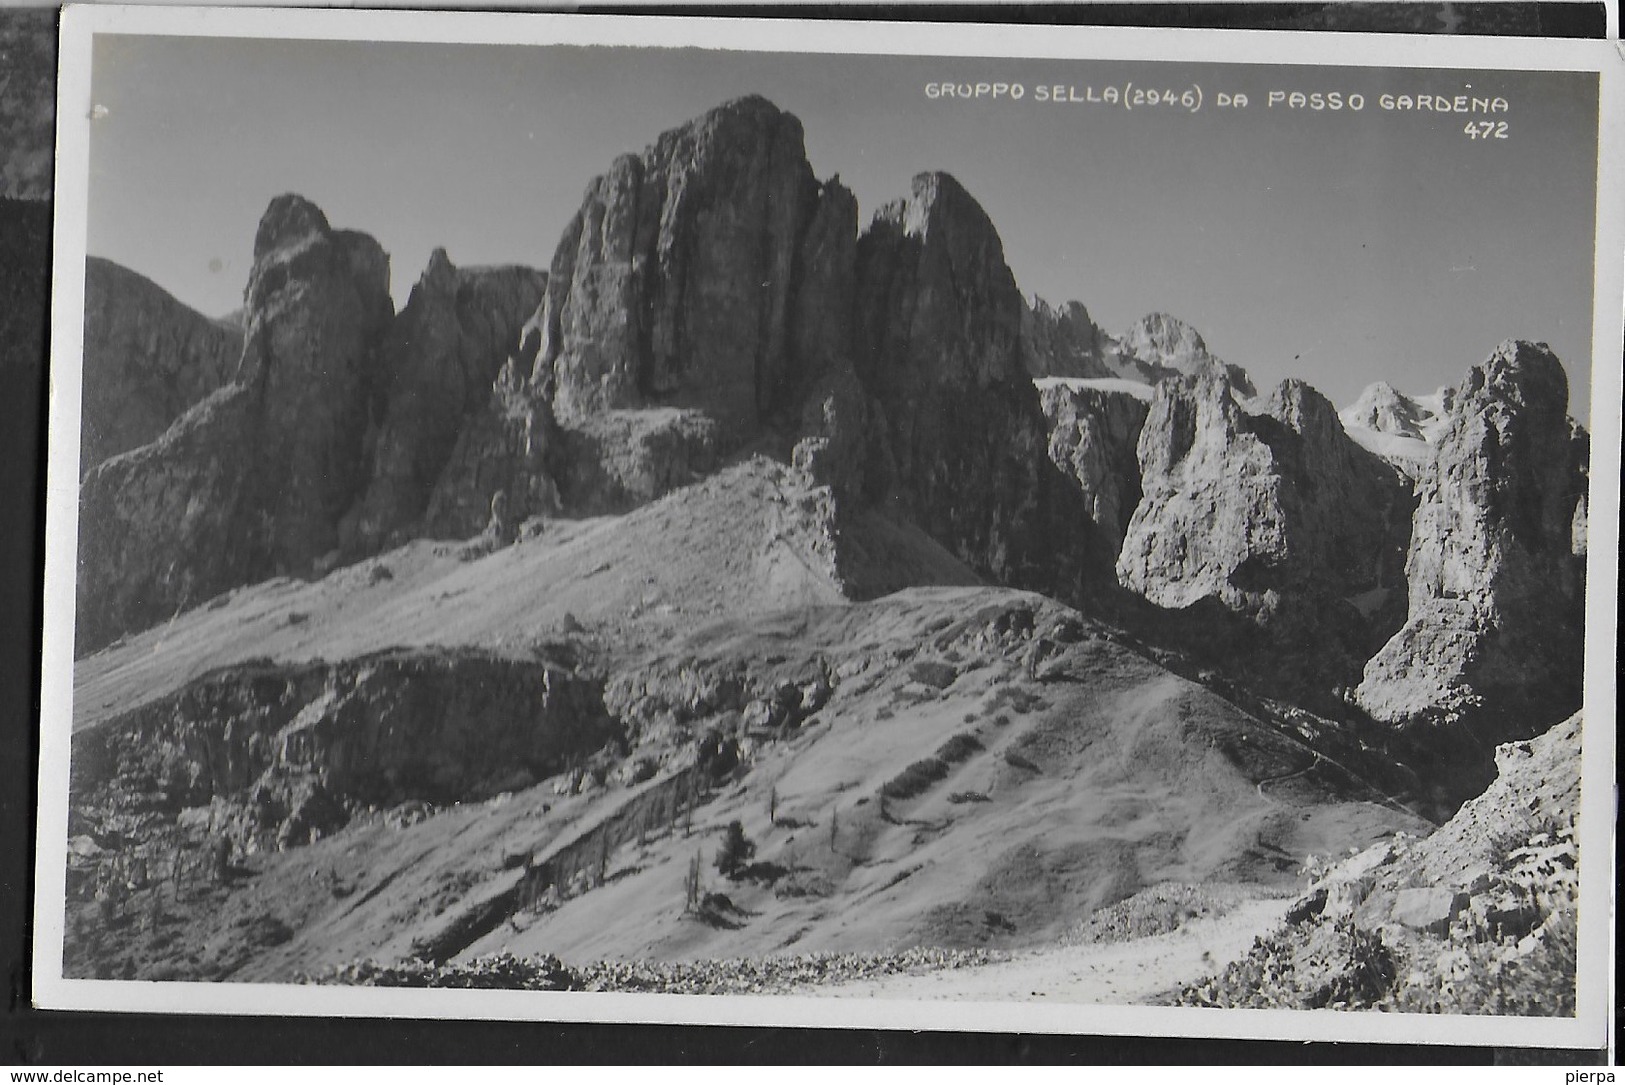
(1266,511)
(147,358)
(1159,337)
(1063,341)
(672,284)
(1301,407)
(939,249)
(1159,345)
(289,220)
(251,481)
(1495,582)
(1384,409)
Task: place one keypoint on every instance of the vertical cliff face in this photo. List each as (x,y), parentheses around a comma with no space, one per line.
(147,359)
(252,481)
(963,440)
(318,308)
(442,354)
(1495,569)
(1063,341)
(673,284)
(1259,512)
(1093,436)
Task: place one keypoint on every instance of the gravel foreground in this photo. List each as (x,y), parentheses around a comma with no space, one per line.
(739,976)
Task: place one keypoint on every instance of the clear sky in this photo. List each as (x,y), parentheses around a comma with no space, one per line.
(1341,247)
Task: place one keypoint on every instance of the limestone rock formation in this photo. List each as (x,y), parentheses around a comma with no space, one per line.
(1163,346)
(673,284)
(513,446)
(443,354)
(1259,512)
(1269,543)
(252,481)
(939,350)
(1093,435)
(147,359)
(249,747)
(1495,583)
(1063,342)
(702,294)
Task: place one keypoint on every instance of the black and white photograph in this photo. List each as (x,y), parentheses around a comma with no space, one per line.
(904,526)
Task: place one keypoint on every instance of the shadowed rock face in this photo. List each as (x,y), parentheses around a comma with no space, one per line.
(280,751)
(1093,434)
(1495,568)
(147,359)
(1063,342)
(252,481)
(962,439)
(443,354)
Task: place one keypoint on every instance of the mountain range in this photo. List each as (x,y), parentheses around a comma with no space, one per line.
(739,508)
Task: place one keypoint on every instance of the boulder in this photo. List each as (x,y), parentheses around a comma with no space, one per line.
(1494,626)
(1430,909)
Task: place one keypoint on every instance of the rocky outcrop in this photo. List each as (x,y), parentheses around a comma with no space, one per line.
(1063,342)
(619,460)
(1495,625)
(147,359)
(251,482)
(443,354)
(512,446)
(281,750)
(1093,436)
(702,294)
(963,443)
(1162,346)
(1251,510)
(674,283)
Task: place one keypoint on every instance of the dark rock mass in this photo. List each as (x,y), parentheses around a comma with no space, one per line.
(964,443)
(251,482)
(1063,342)
(148,358)
(275,755)
(673,284)
(701,295)
(1495,570)
(442,354)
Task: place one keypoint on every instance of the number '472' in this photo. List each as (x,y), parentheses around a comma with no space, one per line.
(1486,130)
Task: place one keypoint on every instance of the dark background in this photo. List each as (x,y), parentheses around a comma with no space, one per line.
(31,1036)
